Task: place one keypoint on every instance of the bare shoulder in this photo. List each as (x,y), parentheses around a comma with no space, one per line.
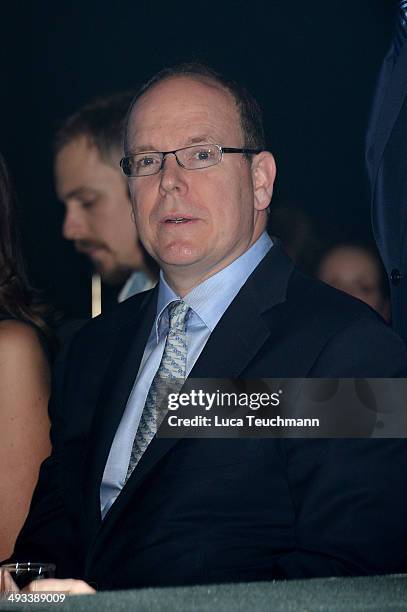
(24,365)
(19,340)
(24,375)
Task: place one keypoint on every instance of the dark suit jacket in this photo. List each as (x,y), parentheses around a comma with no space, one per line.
(219,510)
(387,170)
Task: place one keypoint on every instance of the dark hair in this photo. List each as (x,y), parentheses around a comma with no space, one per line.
(17,299)
(101,120)
(251,119)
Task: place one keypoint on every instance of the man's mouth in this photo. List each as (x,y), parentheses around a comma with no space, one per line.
(87,248)
(177,219)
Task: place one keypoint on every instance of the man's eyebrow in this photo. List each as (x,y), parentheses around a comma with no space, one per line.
(199,139)
(78,193)
(143,149)
(190,141)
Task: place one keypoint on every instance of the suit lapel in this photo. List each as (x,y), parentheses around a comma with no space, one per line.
(243,330)
(391,103)
(115,389)
(378,97)
(240,333)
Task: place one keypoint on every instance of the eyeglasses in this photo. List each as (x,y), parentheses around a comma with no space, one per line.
(195,157)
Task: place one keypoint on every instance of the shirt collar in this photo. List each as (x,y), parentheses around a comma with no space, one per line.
(136,283)
(210,299)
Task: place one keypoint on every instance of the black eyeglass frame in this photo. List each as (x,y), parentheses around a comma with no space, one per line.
(222,150)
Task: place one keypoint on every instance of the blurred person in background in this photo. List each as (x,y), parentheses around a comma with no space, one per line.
(89,181)
(356,269)
(26,346)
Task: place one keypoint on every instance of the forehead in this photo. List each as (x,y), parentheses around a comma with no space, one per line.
(183,109)
(79,164)
(351,262)
(77,154)
(81,155)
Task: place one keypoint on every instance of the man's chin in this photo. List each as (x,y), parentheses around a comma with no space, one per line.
(112,276)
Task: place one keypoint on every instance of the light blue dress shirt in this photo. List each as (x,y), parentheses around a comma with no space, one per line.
(136,283)
(208,302)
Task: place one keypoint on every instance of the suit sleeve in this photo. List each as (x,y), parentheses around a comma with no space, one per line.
(48,534)
(350,501)
(350,495)
(364,349)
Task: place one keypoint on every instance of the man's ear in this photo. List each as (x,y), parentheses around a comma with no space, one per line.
(263,175)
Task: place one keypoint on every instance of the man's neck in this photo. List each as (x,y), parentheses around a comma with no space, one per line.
(182,285)
(183,279)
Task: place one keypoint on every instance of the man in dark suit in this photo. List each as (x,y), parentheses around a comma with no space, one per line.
(119,507)
(387,169)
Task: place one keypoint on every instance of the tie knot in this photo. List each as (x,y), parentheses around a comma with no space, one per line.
(177,315)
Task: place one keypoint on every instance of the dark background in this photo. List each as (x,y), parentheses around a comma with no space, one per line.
(312,65)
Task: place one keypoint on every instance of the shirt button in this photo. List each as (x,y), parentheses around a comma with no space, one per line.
(395,277)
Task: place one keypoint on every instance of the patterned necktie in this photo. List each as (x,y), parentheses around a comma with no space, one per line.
(170,375)
(401,29)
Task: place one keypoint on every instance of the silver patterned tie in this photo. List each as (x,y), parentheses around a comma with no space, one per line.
(170,375)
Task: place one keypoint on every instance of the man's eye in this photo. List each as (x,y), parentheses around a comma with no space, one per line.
(203,154)
(88,203)
(144,162)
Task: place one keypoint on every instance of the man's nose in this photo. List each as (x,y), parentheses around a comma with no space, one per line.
(172,176)
(73,227)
